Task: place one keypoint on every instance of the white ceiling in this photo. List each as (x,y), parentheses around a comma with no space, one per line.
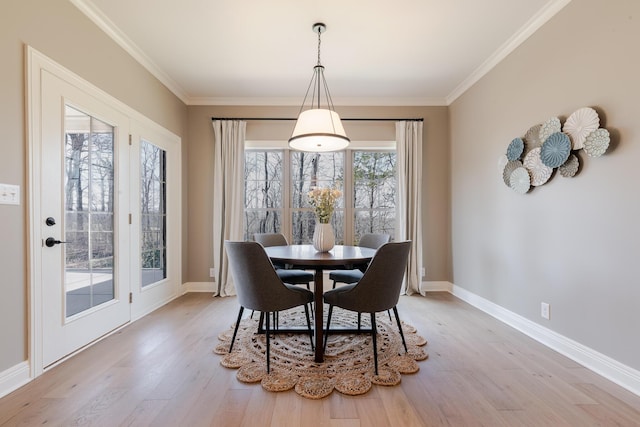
(375,52)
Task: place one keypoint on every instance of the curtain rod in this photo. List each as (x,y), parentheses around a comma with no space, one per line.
(291,119)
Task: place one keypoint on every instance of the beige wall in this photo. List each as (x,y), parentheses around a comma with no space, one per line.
(57,29)
(573,243)
(436,216)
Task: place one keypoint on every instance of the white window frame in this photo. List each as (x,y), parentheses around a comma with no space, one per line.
(287,211)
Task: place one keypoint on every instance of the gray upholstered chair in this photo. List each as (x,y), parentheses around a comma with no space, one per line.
(378,290)
(259,287)
(373,241)
(288,275)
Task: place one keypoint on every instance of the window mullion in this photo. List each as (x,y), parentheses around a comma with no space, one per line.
(348,192)
(287,213)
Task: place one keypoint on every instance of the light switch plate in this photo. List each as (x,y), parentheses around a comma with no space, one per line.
(9,194)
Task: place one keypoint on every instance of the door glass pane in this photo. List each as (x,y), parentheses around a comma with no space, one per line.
(89,207)
(153,214)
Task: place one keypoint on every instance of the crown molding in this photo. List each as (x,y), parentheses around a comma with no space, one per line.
(106,25)
(530,27)
(345,102)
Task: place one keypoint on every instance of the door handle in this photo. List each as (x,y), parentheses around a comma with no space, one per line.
(51,242)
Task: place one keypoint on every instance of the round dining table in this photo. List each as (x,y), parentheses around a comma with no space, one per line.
(307,257)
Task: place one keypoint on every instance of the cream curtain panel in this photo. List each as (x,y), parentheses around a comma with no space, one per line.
(409,219)
(228,195)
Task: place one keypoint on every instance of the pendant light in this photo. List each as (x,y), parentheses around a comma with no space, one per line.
(318,129)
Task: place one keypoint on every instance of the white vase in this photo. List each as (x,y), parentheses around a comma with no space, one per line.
(323,237)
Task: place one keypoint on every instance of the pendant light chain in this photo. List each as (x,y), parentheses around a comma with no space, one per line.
(319,41)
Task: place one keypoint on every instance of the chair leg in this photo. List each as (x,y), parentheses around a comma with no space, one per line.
(374,332)
(326,333)
(389,313)
(267,335)
(359,320)
(334,285)
(395,311)
(306,313)
(235,330)
(260,321)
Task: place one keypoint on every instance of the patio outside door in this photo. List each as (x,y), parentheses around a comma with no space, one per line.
(84,208)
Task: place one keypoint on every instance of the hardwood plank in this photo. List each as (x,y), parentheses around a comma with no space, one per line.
(144,413)
(160,371)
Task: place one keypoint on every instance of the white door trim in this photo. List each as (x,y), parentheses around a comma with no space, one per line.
(36,63)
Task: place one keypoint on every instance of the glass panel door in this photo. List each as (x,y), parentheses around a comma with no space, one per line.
(89,212)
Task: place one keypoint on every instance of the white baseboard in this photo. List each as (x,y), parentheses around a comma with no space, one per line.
(14,378)
(599,363)
(199,287)
(434,286)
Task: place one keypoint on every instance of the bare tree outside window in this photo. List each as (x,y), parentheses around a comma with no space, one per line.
(266,186)
(153,213)
(89,208)
(310,170)
(374,178)
(263,188)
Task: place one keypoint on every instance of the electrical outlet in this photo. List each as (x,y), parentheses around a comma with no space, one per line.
(545,310)
(212,272)
(422,272)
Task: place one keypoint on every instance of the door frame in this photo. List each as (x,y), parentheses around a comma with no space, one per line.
(36,63)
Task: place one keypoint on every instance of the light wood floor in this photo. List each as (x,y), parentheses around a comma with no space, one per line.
(160,371)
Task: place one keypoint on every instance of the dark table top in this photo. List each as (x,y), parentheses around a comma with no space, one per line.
(308,256)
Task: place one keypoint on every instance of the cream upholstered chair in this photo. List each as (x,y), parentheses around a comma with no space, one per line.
(373,241)
(288,275)
(259,287)
(378,290)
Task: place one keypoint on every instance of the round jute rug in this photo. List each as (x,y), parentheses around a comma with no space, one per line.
(348,365)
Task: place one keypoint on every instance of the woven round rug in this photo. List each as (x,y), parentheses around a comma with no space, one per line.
(348,359)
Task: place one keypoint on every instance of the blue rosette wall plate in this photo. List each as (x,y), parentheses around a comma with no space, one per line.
(515,149)
(555,150)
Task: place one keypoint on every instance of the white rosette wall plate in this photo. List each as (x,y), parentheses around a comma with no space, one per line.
(508,168)
(597,142)
(570,168)
(520,181)
(532,137)
(580,124)
(540,173)
(502,162)
(549,127)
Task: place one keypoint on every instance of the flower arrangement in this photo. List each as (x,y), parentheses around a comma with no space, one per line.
(323,201)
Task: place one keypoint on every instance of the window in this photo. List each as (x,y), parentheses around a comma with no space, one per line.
(374,198)
(277,182)
(153,213)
